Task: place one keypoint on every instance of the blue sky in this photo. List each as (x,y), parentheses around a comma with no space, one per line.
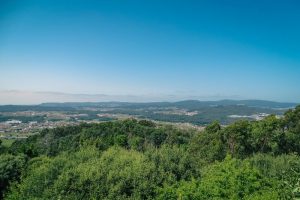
(206,49)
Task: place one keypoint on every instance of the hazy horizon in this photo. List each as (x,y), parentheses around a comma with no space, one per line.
(149,50)
(15,97)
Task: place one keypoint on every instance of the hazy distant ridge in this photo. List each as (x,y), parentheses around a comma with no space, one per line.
(186,103)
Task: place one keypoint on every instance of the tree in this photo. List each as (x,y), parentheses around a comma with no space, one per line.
(265,134)
(208,146)
(10,170)
(236,137)
(173,161)
(291,127)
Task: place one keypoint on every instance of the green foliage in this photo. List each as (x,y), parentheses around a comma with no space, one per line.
(40,179)
(285,168)
(266,134)
(290,140)
(133,159)
(236,137)
(10,170)
(235,179)
(116,174)
(230,179)
(174,162)
(6,143)
(147,123)
(208,146)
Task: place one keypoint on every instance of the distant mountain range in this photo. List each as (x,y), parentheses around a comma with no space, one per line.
(191,104)
(16,97)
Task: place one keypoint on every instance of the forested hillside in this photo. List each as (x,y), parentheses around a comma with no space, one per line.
(133,159)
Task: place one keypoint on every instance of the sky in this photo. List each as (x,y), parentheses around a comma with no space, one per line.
(161,49)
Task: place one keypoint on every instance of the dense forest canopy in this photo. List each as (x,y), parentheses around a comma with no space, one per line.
(139,159)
